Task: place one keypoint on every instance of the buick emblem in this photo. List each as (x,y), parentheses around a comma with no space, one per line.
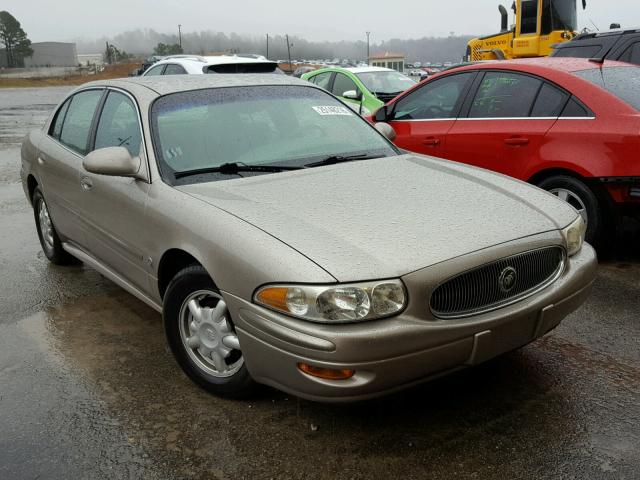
(508,279)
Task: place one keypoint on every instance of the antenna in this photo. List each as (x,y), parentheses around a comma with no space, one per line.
(593,23)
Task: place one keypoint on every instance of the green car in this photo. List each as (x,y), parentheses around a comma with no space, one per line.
(365,89)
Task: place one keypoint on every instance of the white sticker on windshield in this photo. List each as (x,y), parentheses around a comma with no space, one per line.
(333,110)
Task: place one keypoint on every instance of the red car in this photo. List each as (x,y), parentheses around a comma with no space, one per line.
(570,126)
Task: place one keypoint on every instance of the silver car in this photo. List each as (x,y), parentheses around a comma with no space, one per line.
(287,242)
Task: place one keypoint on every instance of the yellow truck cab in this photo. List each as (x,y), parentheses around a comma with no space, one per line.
(539,24)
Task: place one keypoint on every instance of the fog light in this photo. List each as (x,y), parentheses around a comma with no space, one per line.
(326,373)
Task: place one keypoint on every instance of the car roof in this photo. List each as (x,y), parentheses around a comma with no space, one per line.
(163,85)
(368,69)
(354,70)
(564,64)
(606,33)
(214,59)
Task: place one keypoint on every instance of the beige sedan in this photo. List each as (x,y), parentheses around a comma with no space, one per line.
(287,242)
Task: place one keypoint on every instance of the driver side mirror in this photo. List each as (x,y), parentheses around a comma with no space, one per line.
(386,130)
(353,95)
(382,114)
(113,161)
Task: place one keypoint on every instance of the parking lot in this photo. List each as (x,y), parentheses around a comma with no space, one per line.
(89,389)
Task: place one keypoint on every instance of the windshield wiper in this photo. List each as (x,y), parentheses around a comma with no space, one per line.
(234,169)
(333,159)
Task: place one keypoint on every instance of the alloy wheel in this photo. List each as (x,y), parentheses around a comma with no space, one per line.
(572,199)
(208,335)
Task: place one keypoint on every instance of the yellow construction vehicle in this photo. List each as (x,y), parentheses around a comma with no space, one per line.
(539,24)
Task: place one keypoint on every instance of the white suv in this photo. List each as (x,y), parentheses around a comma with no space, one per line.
(195,64)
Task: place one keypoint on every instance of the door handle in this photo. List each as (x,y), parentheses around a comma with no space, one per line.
(86,183)
(516,141)
(431,141)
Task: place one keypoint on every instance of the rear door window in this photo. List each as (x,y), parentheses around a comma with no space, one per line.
(623,82)
(440,98)
(550,102)
(78,120)
(118,125)
(505,95)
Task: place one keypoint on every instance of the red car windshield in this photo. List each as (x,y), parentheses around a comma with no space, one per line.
(623,82)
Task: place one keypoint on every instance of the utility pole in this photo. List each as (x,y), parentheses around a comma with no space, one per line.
(289,53)
(267,45)
(180,35)
(368,54)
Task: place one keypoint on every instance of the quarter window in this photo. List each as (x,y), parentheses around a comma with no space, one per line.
(438,99)
(157,70)
(56,127)
(343,84)
(173,69)
(550,102)
(574,109)
(118,125)
(504,95)
(77,121)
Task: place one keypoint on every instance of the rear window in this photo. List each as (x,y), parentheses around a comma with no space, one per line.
(265,67)
(623,82)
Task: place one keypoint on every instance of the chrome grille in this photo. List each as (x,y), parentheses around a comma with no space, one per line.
(497,284)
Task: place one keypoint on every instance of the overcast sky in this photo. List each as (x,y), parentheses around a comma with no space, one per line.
(62,20)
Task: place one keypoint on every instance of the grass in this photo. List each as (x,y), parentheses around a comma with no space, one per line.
(111,71)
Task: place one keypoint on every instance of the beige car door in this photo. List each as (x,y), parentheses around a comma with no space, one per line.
(60,158)
(113,208)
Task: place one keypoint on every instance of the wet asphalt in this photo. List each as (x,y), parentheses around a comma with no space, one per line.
(88,388)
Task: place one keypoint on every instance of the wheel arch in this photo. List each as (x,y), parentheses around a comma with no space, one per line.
(587,179)
(32,183)
(171,262)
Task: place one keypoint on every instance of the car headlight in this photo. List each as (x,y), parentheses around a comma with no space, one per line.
(343,303)
(574,235)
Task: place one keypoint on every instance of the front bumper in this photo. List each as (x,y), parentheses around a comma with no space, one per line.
(399,352)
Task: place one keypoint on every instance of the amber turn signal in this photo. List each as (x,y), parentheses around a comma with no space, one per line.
(274,297)
(326,373)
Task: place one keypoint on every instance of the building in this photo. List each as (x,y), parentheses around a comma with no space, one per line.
(388,60)
(87,59)
(52,54)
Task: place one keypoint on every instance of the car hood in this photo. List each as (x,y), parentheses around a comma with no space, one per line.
(387,217)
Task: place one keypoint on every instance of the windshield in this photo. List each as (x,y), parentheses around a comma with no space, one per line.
(385,82)
(623,82)
(258,125)
(559,15)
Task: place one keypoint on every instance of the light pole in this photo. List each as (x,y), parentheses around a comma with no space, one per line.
(289,53)
(180,35)
(267,45)
(368,55)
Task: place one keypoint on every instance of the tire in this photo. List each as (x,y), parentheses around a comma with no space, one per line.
(49,239)
(583,199)
(202,337)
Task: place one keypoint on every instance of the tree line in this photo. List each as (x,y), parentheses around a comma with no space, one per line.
(148,41)
(14,40)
